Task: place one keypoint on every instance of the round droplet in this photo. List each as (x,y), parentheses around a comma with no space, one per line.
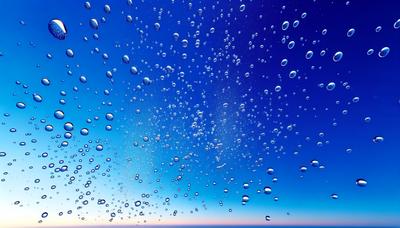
(284,62)
(83,79)
(337,56)
(314,163)
(93,23)
(157,26)
(48,127)
(125,58)
(87,5)
(309,54)
(84,131)
(285,25)
(292,74)
(37,97)
(20,105)
(59,114)
(334,196)
(331,86)
(267,190)
(242,7)
(99,147)
(44,214)
(146,81)
(361,182)
(45,82)
(57,29)
(3,154)
(351,32)
(270,171)
(245,199)
(107,8)
(291,44)
(378,139)
(68,126)
(134,70)
(109,116)
(396,24)
(384,52)
(69,53)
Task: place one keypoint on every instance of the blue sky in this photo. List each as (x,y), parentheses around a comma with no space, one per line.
(213,117)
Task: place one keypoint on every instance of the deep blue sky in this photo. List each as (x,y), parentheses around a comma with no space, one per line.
(208,122)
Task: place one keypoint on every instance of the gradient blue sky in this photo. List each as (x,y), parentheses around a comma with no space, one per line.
(183,113)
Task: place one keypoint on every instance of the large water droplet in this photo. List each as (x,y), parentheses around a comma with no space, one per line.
(59,114)
(337,56)
(57,29)
(384,52)
(20,105)
(93,23)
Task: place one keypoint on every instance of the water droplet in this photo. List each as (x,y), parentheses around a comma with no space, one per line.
(361,182)
(37,97)
(245,199)
(44,214)
(334,196)
(285,25)
(125,58)
(107,8)
(314,163)
(337,56)
(292,74)
(68,126)
(20,105)
(87,5)
(270,171)
(396,24)
(384,52)
(59,114)
(84,131)
(134,70)
(377,139)
(93,23)
(109,116)
(331,86)
(267,190)
(146,81)
(157,26)
(57,29)
(45,82)
(83,79)
(291,44)
(309,54)
(3,154)
(48,127)
(284,62)
(99,147)
(242,7)
(69,53)
(351,32)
